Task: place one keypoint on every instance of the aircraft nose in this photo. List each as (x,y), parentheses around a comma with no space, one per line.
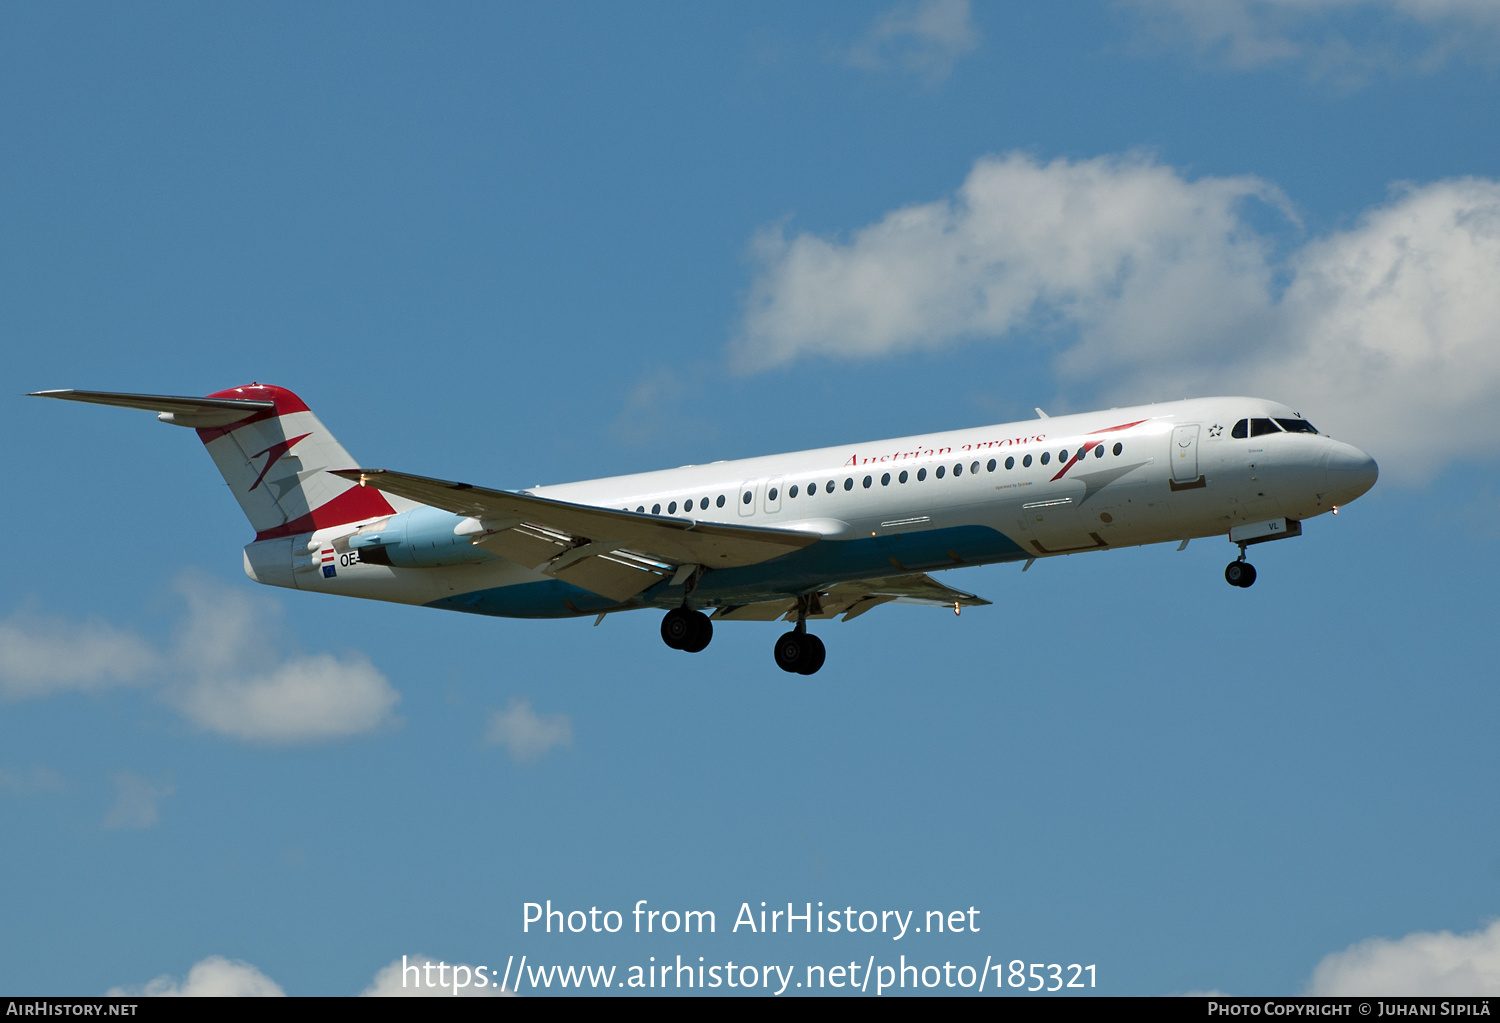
(1349,472)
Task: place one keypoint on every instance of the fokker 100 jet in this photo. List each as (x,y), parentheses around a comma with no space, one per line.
(799,536)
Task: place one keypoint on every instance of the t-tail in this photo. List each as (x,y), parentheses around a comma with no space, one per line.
(273,453)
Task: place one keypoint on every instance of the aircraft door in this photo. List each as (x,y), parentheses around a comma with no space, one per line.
(1185,454)
(747,498)
(773,495)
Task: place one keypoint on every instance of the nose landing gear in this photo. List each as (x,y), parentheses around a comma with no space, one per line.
(1240,572)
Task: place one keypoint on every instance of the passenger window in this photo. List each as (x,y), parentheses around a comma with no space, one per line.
(1099,451)
(1118,448)
(703,505)
(990,467)
(1241,430)
(849,483)
(771,494)
(921,475)
(974,468)
(793,491)
(830,486)
(885,479)
(938,472)
(1261,427)
(748,497)
(656,509)
(720,501)
(672,508)
(1026,462)
(642,508)
(958,470)
(902,477)
(1296,425)
(868,481)
(1010,463)
(1046,457)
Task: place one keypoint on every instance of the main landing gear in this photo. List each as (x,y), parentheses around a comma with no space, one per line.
(1240,572)
(800,652)
(683,629)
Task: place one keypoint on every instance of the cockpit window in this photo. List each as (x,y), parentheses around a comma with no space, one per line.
(1241,430)
(1296,425)
(1260,427)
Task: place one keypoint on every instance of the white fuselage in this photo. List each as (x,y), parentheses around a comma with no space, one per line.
(1031,489)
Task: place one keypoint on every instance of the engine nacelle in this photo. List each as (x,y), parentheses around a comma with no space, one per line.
(420,538)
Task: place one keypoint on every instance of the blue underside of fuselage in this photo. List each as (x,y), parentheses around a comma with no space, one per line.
(820,565)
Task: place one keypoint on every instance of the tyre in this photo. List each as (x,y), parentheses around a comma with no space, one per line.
(677,628)
(702,632)
(817,655)
(792,651)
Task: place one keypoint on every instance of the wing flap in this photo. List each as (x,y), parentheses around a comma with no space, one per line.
(853,599)
(614,574)
(531,546)
(765,611)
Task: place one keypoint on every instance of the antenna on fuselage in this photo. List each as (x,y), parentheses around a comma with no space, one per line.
(1042,415)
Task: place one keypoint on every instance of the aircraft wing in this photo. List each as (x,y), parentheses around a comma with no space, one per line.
(616,553)
(853,599)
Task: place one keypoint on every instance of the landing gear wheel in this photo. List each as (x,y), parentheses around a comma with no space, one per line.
(703,632)
(792,651)
(819,655)
(1240,573)
(682,629)
(800,653)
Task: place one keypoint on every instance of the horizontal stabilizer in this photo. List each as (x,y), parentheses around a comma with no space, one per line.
(674,541)
(196,412)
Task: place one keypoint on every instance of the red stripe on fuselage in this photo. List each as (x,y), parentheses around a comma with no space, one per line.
(1083,450)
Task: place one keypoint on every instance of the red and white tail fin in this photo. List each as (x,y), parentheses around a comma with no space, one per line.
(273,461)
(271,450)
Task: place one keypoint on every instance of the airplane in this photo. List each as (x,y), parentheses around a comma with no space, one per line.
(801,536)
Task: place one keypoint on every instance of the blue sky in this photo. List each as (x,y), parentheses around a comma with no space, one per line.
(520,245)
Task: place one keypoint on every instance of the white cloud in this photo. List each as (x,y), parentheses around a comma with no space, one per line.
(1021,244)
(925,39)
(240,683)
(38,779)
(525,734)
(407,978)
(229,670)
(1155,286)
(1420,964)
(42,656)
(651,405)
(306,698)
(1341,40)
(214,977)
(136,800)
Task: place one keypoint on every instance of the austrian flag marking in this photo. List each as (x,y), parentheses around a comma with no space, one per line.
(326,557)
